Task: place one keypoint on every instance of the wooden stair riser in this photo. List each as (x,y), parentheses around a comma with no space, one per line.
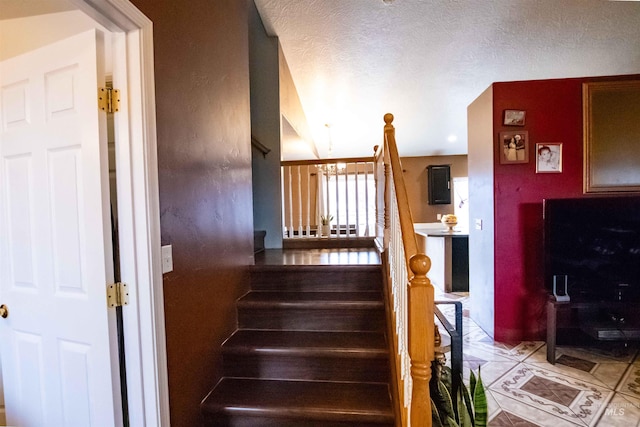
(310,368)
(316,279)
(244,420)
(317,319)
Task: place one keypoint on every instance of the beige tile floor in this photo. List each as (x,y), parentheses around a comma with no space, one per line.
(585,387)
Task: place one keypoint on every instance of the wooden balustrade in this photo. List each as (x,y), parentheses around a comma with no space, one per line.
(340,188)
(411,292)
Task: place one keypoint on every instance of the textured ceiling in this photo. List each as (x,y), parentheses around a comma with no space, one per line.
(425,61)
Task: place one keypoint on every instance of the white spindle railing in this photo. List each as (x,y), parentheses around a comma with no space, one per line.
(343,189)
(308,217)
(356,198)
(287,213)
(300,222)
(399,280)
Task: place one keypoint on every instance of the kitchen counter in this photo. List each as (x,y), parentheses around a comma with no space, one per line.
(449,254)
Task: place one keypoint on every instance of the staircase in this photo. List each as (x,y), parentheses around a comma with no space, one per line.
(310,350)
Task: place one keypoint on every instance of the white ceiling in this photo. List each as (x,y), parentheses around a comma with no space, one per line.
(425,61)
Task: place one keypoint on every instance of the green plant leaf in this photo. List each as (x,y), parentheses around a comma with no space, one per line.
(326,219)
(465,418)
(439,401)
(446,377)
(452,422)
(480,403)
(470,409)
(435,415)
(447,401)
(472,383)
(466,398)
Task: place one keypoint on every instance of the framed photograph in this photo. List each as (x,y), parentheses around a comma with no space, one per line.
(549,157)
(514,117)
(514,147)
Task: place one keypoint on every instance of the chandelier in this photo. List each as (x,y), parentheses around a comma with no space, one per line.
(333,168)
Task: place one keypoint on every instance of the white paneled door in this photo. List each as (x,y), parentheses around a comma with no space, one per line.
(57,343)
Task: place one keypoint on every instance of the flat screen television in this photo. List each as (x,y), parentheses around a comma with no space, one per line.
(595,242)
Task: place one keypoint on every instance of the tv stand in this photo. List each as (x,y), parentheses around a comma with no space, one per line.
(606,321)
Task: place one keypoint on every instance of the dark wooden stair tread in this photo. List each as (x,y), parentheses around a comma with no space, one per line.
(306,399)
(325,268)
(362,344)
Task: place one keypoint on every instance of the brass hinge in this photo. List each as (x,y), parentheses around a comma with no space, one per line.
(117,295)
(108,99)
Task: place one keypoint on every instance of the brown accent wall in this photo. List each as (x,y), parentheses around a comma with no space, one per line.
(415,178)
(204,159)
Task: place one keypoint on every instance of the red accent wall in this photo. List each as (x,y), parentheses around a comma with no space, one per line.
(201,54)
(553,114)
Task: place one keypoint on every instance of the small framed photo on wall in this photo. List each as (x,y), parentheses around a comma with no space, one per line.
(549,157)
(514,117)
(514,147)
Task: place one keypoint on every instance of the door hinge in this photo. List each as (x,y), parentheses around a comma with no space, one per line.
(108,99)
(117,295)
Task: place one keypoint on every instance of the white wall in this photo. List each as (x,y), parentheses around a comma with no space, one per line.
(292,111)
(24,34)
(481,181)
(461,201)
(3,418)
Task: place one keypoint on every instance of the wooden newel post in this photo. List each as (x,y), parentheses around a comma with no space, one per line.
(421,339)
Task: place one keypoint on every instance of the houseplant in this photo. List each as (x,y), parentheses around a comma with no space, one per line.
(468,409)
(325,220)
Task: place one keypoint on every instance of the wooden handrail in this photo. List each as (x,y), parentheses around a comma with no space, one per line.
(404,210)
(325,161)
(260,146)
(420,298)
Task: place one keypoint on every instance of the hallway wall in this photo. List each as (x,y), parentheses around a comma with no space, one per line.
(204,161)
(266,129)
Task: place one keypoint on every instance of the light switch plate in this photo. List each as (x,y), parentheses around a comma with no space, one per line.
(167,259)
(478,223)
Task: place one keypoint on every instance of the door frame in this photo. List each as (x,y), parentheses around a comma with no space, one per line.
(138,210)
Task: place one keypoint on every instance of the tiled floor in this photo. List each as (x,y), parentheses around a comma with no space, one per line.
(585,387)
